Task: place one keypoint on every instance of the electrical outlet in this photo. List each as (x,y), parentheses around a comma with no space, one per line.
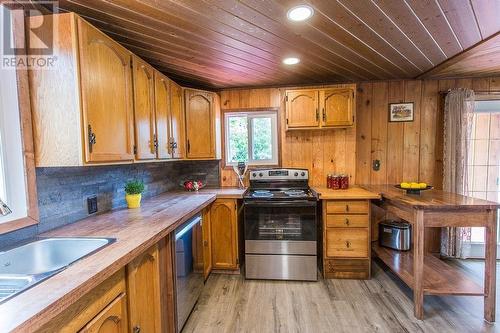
(92,204)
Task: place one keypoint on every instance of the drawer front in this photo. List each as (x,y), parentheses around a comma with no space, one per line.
(347,207)
(347,242)
(347,221)
(346,269)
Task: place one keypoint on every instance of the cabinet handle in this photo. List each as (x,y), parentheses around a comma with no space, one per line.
(92,138)
(324,115)
(136,329)
(347,221)
(346,208)
(154,148)
(347,244)
(188,146)
(317,114)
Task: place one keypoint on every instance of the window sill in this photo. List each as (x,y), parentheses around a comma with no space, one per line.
(16,225)
(230,167)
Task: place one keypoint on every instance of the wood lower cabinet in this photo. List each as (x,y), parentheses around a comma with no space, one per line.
(330,107)
(143,285)
(346,239)
(83,107)
(201,116)
(113,319)
(103,310)
(224,234)
(207,243)
(144,110)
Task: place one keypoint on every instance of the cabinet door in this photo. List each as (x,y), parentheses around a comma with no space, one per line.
(336,107)
(113,319)
(223,219)
(302,108)
(144,110)
(162,114)
(144,292)
(177,128)
(199,124)
(106,90)
(207,243)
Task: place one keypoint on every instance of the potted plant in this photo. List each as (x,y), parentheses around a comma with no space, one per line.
(133,193)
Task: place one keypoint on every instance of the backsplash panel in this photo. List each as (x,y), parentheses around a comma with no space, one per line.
(63,192)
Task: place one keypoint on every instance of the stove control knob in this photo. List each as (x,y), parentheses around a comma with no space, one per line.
(260,174)
(302,173)
(254,174)
(296,174)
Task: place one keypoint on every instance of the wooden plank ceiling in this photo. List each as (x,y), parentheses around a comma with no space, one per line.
(236,43)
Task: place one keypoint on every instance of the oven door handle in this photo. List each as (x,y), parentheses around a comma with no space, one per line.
(294,203)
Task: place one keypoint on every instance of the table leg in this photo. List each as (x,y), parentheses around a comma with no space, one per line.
(418,264)
(490,267)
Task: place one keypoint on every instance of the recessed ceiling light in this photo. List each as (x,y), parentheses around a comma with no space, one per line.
(291,61)
(300,13)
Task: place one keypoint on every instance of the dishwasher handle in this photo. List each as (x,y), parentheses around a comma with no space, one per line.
(186,227)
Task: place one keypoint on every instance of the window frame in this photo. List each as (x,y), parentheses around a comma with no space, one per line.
(254,113)
(27,137)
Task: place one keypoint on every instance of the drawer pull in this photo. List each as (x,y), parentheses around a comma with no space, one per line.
(346,208)
(136,329)
(347,244)
(347,221)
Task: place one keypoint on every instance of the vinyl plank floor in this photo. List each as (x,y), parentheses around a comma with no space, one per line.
(230,304)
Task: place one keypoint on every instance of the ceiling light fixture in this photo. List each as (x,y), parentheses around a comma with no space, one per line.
(291,61)
(300,13)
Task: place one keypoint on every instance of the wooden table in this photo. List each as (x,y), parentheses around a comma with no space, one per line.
(425,273)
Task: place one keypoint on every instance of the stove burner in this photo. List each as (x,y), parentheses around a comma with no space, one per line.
(295,193)
(262,194)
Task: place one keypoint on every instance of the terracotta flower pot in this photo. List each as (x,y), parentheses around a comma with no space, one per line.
(133,200)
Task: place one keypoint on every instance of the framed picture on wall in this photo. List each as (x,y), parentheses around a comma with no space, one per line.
(400,112)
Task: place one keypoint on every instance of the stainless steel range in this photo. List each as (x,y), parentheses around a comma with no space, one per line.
(281,226)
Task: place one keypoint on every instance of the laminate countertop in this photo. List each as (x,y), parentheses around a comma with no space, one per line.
(135,231)
(352,193)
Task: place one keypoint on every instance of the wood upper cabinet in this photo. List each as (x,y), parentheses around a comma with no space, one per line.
(336,107)
(200,124)
(177,125)
(144,109)
(82,108)
(224,230)
(144,292)
(113,319)
(302,108)
(162,107)
(320,108)
(106,96)
(207,243)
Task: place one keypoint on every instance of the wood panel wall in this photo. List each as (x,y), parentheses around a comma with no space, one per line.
(320,151)
(407,151)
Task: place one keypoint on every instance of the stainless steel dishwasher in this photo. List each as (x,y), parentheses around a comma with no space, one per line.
(188,267)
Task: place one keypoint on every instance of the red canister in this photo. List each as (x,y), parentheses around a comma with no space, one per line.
(344,182)
(336,182)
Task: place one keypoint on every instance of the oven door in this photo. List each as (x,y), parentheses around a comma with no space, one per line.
(293,220)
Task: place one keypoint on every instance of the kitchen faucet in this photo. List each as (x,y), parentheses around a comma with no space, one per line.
(4,209)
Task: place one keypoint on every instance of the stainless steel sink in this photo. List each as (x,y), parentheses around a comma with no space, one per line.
(24,266)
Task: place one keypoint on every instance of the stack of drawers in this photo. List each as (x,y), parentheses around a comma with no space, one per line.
(346,239)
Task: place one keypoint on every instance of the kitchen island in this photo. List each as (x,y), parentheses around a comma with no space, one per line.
(425,273)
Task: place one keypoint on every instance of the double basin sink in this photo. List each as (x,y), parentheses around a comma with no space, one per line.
(26,265)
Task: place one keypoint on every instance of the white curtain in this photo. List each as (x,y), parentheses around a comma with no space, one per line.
(458,116)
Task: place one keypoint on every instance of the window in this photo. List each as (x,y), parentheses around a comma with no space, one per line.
(12,180)
(484,162)
(251,137)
